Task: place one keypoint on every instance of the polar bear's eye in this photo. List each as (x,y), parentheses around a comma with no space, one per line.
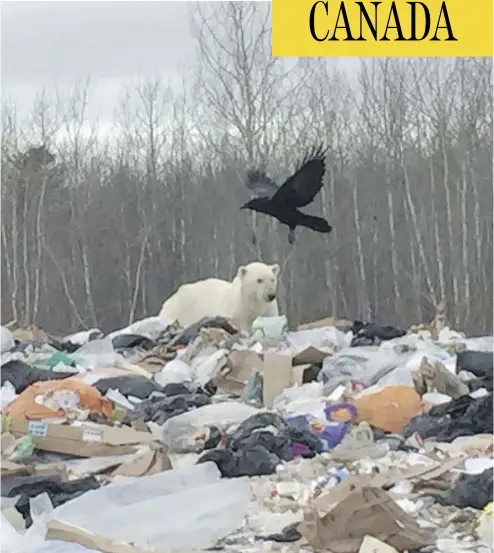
(259,280)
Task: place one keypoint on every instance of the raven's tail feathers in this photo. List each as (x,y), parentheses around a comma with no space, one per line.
(316,223)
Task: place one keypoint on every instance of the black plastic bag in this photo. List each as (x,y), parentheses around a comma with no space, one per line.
(254,461)
(455,408)
(471,490)
(289,534)
(130,341)
(58,491)
(373,333)
(479,363)
(257,446)
(159,409)
(467,417)
(278,445)
(137,386)
(257,421)
(21,375)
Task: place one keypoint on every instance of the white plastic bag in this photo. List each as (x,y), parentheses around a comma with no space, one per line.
(205,367)
(176,372)
(7,394)
(6,340)
(270,327)
(326,338)
(95,354)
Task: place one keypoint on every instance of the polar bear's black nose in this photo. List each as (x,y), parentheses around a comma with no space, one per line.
(271,297)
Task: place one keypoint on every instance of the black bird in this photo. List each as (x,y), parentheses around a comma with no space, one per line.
(297,191)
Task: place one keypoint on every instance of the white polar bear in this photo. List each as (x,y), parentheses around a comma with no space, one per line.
(251,294)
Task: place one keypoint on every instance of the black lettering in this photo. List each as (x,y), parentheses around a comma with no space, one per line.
(413,22)
(346,26)
(372,26)
(312,22)
(394,12)
(444,12)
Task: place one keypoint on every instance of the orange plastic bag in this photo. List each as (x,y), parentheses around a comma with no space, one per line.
(390,409)
(25,405)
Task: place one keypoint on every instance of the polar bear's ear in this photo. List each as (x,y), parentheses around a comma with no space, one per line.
(242,271)
(276,269)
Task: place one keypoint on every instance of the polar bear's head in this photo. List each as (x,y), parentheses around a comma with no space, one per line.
(259,281)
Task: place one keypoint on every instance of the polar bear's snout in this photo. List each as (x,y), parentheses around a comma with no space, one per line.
(271,297)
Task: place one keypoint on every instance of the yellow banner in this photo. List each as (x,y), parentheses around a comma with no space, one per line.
(389,28)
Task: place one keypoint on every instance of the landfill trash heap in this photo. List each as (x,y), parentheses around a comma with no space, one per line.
(339,436)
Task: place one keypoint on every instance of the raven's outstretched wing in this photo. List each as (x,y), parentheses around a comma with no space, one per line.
(261,184)
(302,187)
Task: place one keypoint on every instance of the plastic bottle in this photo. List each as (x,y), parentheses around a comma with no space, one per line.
(329,480)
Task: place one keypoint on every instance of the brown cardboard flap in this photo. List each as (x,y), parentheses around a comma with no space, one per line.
(85,440)
(276,369)
(309,356)
(420,473)
(150,462)
(276,376)
(15,518)
(9,468)
(57,530)
(341,324)
(360,512)
(241,364)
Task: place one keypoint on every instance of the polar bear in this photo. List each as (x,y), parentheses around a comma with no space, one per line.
(251,294)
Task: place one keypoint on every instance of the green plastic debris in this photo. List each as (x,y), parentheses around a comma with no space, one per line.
(24,447)
(57,358)
(118,413)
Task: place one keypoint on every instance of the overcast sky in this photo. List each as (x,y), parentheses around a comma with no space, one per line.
(48,44)
(43,43)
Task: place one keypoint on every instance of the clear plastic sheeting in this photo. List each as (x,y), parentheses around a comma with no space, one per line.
(271,327)
(327,338)
(95,354)
(184,508)
(10,539)
(206,366)
(361,363)
(299,395)
(400,376)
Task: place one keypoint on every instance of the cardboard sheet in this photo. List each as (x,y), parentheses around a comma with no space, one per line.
(341,324)
(57,530)
(363,511)
(9,468)
(277,371)
(150,462)
(80,440)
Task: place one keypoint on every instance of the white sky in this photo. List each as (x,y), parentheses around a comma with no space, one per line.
(56,44)
(48,44)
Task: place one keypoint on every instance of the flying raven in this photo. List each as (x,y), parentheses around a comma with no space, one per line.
(297,191)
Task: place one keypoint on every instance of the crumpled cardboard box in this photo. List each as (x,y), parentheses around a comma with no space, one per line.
(362,510)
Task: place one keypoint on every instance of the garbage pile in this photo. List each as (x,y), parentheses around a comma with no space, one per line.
(340,436)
